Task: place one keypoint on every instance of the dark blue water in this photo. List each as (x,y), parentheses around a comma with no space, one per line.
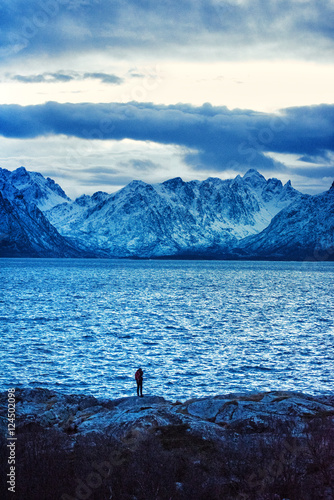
(196,327)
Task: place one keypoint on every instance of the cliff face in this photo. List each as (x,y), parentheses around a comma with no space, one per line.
(229,446)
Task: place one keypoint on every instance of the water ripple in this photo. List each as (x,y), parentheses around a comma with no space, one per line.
(197,328)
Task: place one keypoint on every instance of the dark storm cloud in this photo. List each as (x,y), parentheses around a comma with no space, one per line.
(213,137)
(234,29)
(313,127)
(62,77)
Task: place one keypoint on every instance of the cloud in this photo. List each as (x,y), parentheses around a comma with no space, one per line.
(104,78)
(142,165)
(314,129)
(314,173)
(29,79)
(44,78)
(77,164)
(97,169)
(213,138)
(106,180)
(202,28)
(325,158)
(63,77)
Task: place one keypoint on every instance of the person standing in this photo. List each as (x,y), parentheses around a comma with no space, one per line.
(139,380)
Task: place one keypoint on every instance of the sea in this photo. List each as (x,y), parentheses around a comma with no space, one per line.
(196,328)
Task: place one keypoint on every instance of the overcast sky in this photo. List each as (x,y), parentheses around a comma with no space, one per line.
(95,93)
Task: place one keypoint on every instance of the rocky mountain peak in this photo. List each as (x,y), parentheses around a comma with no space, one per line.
(82,200)
(254,178)
(21,171)
(172,218)
(174,183)
(212,218)
(99,196)
(253,173)
(135,184)
(35,188)
(4,174)
(56,188)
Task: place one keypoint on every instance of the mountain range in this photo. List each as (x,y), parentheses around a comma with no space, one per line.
(247,217)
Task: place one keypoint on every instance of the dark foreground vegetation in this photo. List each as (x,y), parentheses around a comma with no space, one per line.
(171,462)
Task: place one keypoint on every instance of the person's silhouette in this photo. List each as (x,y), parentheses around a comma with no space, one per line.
(139,380)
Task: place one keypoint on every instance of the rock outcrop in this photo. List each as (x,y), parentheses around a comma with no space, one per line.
(246,412)
(251,445)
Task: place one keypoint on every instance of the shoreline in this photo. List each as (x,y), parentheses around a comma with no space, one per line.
(229,446)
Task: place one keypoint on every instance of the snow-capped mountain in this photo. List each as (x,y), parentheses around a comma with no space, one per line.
(303,230)
(25,231)
(174,218)
(73,214)
(44,193)
(247,217)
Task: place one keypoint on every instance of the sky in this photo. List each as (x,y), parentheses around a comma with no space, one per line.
(96,93)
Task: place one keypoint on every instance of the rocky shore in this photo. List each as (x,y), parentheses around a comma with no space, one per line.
(269,445)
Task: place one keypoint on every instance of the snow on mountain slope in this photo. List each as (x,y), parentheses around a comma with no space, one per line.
(272,193)
(247,217)
(174,217)
(25,232)
(303,230)
(34,187)
(69,215)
